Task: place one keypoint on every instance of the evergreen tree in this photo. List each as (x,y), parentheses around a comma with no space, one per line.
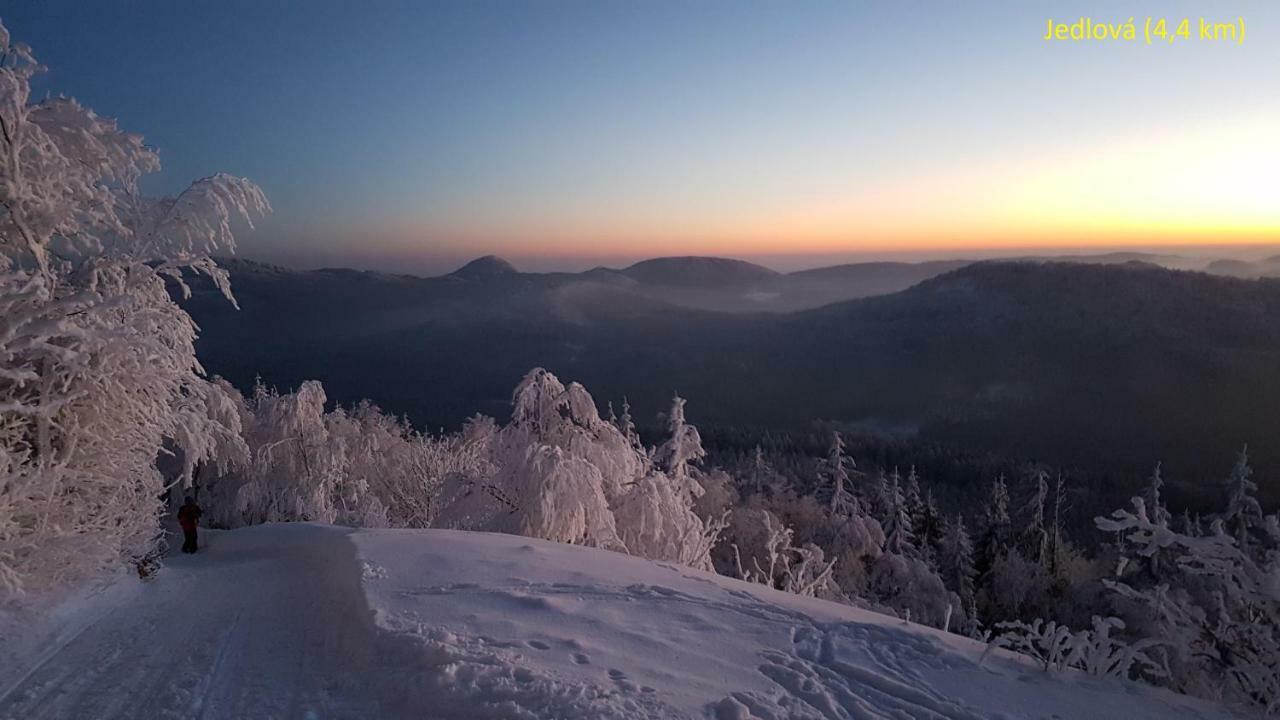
(1056,544)
(1213,609)
(626,425)
(1191,525)
(881,495)
(1035,537)
(683,448)
(835,472)
(761,471)
(955,563)
(912,495)
(898,535)
(1156,509)
(993,540)
(1243,511)
(930,528)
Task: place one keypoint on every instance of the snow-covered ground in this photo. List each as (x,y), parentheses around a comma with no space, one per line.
(265,623)
(271,622)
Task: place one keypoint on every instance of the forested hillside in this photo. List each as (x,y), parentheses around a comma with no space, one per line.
(1101,368)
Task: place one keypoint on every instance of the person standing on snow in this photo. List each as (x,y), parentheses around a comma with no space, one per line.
(188,517)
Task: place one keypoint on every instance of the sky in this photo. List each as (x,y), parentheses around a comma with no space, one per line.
(564,134)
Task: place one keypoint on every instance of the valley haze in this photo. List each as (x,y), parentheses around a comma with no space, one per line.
(1089,362)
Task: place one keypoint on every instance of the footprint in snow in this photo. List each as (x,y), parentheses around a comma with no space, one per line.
(538,645)
(582,658)
(621,681)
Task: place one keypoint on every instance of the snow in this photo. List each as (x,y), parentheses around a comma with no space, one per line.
(263,623)
(511,619)
(312,621)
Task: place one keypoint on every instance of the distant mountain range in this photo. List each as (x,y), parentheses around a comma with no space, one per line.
(725,285)
(1113,363)
(1266,267)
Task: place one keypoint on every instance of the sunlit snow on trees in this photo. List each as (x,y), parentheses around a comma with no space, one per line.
(98,372)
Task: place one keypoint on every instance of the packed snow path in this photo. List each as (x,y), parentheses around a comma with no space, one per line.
(320,623)
(259,624)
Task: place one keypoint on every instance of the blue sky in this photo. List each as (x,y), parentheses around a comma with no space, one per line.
(413,135)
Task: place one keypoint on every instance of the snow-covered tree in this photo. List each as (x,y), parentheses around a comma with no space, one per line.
(395,474)
(911,588)
(563,473)
(1243,511)
(656,516)
(856,542)
(357,467)
(929,527)
(1056,541)
(835,476)
(679,452)
(1035,535)
(1096,651)
(556,464)
(913,496)
(98,373)
(955,563)
(627,426)
(762,473)
(995,528)
(1156,509)
(898,533)
(1214,606)
(772,559)
(1191,524)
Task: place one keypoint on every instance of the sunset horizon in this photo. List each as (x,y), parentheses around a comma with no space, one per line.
(606,132)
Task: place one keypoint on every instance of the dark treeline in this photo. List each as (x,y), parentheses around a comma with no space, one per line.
(959,477)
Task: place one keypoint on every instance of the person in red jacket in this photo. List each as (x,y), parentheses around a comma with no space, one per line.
(188,518)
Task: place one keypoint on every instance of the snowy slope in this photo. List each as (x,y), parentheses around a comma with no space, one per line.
(573,632)
(271,622)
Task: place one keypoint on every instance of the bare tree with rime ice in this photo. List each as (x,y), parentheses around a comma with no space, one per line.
(98,373)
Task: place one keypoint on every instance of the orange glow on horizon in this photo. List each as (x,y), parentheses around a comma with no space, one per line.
(1215,184)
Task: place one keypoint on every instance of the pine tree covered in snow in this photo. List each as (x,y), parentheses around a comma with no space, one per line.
(1035,535)
(835,475)
(1190,525)
(1243,511)
(955,565)
(1210,600)
(927,523)
(627,426)
(1057,543)
(898,533)
(996,528)
(762,474)
(1155,504)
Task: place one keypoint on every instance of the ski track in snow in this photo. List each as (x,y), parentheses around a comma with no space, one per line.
(276,622)
(256,625)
